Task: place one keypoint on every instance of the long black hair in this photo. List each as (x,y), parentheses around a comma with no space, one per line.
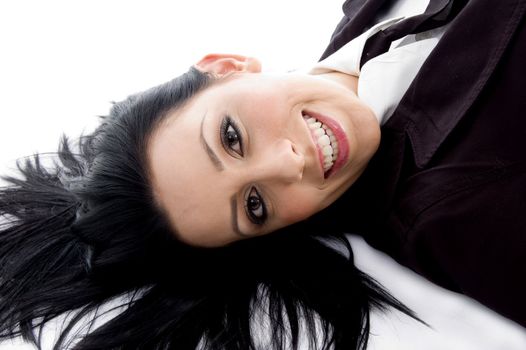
(86,230)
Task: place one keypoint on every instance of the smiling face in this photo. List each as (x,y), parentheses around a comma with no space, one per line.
(256,152)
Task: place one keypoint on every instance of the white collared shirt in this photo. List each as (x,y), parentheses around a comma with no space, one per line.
(384,79)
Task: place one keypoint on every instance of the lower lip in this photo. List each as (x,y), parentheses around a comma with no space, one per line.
(341,138)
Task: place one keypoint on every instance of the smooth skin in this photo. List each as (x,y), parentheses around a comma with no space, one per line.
(239,161)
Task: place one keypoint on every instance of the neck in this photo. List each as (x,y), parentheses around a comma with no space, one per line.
(347,80)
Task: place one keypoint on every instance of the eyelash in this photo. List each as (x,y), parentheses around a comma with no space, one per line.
(253,198)
(228,127)
(258,219)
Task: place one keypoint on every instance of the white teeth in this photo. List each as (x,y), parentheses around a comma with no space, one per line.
(315,125)
(318,132)
(326,140)
(327,150)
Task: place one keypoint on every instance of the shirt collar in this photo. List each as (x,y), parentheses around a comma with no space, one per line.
(347,58)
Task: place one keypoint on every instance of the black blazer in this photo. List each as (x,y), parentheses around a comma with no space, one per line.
(446,192)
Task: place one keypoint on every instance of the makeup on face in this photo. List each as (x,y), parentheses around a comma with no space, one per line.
(271,150)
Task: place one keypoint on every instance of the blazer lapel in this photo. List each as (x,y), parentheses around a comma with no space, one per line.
(455,73)
(442,92)
(437,14)
(358,15)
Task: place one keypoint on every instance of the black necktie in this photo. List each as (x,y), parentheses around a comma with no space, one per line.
(437,14)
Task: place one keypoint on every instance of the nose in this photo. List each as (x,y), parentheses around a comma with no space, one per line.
(283,162)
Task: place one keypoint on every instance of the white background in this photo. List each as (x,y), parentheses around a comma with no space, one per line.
(62,62)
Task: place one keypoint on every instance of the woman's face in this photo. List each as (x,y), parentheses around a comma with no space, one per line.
(252,153)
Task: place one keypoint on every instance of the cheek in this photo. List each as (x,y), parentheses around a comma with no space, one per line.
(266,109)
(298,207)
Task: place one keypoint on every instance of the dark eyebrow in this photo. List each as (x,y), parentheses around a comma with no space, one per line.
(235,226)
(213,157)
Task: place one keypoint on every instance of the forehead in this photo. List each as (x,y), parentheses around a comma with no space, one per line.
(185,183)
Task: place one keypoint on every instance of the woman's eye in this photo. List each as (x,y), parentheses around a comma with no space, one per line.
(255,207)
(230,136)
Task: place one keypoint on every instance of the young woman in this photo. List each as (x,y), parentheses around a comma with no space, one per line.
(214,198)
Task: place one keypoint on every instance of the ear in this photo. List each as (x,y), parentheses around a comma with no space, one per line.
(221,64)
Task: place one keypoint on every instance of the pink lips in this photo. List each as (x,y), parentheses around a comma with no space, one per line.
(341,137)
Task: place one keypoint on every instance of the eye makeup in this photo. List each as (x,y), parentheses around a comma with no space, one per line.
(231,136)
(232,142)
(255,207)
